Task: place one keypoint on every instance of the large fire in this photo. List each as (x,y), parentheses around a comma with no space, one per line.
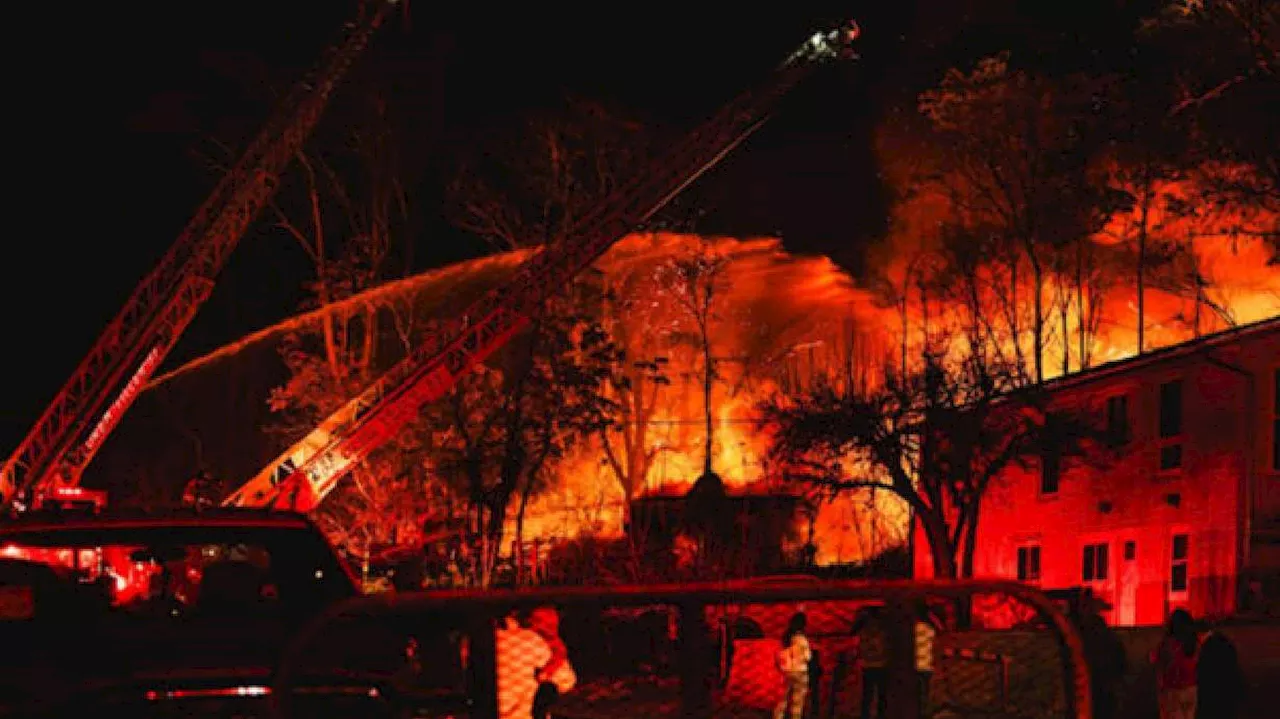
(780,321)
(1206,269)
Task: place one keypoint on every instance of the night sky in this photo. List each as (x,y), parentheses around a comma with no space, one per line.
(117,99)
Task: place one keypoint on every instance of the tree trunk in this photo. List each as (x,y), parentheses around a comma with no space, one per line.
(1081,320)
(940,547)
(1064,316)
(319,257)
(924,314)
(903,317)
(969,543)
(493,537)
(1143,220)
(1015,322)
(707,376)
(370,338)
(1037,327)
(525,490)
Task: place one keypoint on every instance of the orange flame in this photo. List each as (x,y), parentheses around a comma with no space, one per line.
(1216,274)
(779,321)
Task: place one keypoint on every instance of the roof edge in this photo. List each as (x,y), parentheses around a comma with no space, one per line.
(1182,349)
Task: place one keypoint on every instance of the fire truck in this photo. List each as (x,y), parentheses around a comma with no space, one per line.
(86,564)
(69,498)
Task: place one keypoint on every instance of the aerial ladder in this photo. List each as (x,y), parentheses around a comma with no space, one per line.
(107,381)
(305,473)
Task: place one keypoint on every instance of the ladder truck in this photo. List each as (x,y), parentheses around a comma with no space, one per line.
(305,473)
(102,388)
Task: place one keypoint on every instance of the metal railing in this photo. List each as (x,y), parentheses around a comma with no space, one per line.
(917,649)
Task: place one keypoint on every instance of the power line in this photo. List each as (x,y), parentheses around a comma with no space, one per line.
(679,422)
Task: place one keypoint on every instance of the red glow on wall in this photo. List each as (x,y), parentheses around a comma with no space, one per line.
(1148,530)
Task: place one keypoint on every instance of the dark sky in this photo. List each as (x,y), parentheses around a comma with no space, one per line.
(118,97)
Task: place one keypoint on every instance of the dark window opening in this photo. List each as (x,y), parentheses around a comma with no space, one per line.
(1275,444)
(1275,391)
(1118,419)
(1050,472)
(1029,563)
(1130,550)
(1171,409)
(1275,421)
(1095,563)
(1178,564)
(1170,457)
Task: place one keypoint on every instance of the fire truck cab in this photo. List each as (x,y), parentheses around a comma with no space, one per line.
(69,498)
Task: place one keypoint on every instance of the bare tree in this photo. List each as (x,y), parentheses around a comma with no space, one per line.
(694,283)
(501,432)
(346,208)
(967,279)
(937,436)
(1013,162)
(528,187)
(1225,61)
(1244,35)
(641,335)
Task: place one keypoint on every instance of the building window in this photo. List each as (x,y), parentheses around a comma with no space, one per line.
(1171,409)
(1029,563)
(1095,563)
(1130,550)
(1275,444)
(1178,564)
(1050,471)
(1170,425)
(1118,419)
(1275,421)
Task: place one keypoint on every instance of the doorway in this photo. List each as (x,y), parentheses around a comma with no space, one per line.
(1126,613)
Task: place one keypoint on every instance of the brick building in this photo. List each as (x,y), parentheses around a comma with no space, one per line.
(1188,514)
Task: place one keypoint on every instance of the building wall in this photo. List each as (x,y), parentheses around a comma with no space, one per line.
(1263,549)
(1132,507)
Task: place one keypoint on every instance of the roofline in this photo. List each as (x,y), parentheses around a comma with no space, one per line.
(1182,349)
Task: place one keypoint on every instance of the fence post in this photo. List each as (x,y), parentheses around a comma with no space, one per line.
(1004,682)
(903,685)
(483,669)
(695,661)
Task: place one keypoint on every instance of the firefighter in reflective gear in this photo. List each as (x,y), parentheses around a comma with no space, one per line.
(202,491)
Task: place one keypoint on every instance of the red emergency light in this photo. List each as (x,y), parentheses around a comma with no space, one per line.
(70,498)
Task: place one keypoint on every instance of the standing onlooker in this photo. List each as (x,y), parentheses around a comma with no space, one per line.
(925,635)
(1175,660)
(557,676)
(793,662)
(873,657)
(1219,681)
(1106,658)
(520,654)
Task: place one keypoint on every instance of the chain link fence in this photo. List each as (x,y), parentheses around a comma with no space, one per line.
(793,649)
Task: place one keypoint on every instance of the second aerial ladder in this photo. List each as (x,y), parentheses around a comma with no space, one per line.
(302,476)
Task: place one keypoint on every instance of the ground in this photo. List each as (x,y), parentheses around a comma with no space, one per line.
(1258,644)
